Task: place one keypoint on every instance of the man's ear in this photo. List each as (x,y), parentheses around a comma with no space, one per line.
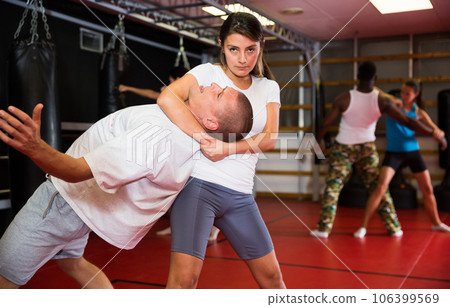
(210,124)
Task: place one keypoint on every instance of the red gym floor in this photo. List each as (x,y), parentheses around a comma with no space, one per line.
(420,259)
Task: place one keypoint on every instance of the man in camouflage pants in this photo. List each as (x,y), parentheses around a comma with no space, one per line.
(365,158)
(360,110)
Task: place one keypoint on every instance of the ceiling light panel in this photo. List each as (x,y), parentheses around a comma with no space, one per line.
(398,6)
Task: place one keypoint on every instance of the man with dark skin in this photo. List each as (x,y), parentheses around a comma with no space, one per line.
(360,110)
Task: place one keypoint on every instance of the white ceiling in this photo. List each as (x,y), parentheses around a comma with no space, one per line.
(323,19)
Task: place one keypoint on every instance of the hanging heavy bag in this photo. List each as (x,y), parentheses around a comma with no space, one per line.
(442,191)
(113,71)
(31,80)
(354,192)
(444,125)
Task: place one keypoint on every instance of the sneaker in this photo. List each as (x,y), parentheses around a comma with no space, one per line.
(360,233)
(398,233)
(319,234)
(440,227)
(165,232)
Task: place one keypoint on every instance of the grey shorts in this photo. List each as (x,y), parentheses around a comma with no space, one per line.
(201,204)
(45,228)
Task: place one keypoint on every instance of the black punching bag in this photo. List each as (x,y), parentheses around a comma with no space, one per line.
(113,70)
(403,194)
(442,191)
(354,192)
(31,80)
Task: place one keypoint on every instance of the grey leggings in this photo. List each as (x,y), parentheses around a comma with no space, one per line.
(202,204)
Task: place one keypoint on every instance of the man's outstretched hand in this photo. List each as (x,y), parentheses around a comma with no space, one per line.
(21,131)
(23,134)
(439,136)
(443,141)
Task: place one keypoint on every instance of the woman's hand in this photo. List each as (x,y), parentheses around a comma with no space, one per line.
(214,149)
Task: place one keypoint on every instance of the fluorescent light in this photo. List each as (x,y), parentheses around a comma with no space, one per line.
(213,10)
(237,7)
(397,6)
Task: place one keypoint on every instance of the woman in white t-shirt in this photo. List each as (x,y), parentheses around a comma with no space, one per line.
(220,193)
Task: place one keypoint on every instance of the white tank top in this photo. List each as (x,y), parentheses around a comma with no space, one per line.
(359,121)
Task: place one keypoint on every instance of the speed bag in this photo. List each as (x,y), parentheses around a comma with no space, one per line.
(31,80)
(113,72)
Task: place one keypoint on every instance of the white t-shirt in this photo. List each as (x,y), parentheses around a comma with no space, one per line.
(140,161)
(359,121)
(236,172)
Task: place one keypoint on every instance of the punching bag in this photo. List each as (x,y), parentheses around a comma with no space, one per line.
(442,191)
(113,70)
(31,80)
(354,192)
(403,194)
(444,125)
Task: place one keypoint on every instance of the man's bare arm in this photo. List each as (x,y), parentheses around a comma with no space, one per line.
(23,134)
(340,104)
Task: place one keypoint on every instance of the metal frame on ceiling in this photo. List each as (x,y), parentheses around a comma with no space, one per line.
(184,17)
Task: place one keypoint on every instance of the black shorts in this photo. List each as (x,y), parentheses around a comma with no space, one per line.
(413,159)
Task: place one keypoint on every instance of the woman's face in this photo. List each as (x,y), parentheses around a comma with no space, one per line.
(408,94)
(241,54)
